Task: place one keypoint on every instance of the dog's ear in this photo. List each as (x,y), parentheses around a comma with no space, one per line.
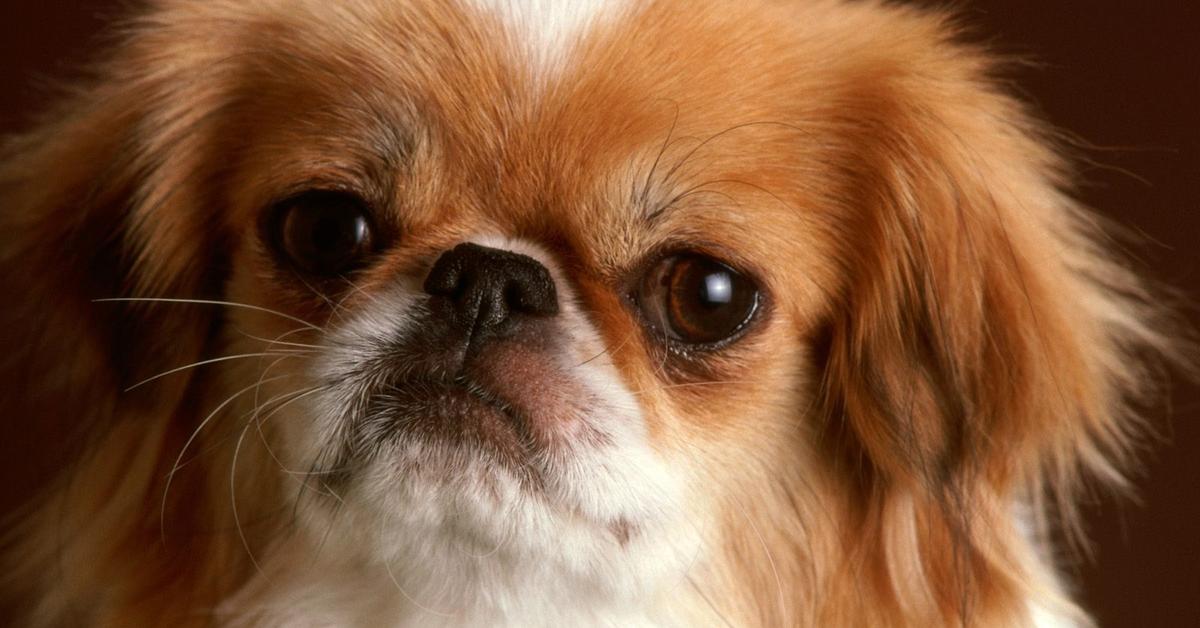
(985,348)
(107,198)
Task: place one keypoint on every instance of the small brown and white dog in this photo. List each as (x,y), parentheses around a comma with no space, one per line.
(537,313)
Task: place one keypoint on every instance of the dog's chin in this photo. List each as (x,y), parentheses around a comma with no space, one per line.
(487,481)
(456,506)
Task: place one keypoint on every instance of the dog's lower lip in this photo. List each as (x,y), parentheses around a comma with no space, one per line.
(478,393)
(456,385)
(459,411)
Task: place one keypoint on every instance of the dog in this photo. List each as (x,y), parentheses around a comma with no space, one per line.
(523,313)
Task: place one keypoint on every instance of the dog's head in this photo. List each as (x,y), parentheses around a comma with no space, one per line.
(781,305)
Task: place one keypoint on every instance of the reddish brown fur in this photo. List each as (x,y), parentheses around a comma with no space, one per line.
(945,339)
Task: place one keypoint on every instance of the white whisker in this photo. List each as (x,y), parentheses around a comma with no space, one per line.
(337,511)
(609,350)
(212,302)
(715,382)
(233,476)
(284,353)
(271,452)
(707,600)
(277,340)
(162,514)
(388,568)
(510,532)
(770,556)
(355,288)
(721,382)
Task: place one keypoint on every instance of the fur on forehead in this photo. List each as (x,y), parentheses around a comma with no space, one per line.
(430,128)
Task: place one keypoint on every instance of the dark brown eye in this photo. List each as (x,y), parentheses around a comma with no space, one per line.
(322,232)
(696,299)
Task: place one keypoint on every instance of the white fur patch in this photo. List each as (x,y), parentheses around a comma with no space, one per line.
(548,30)
(1041,613)
(1043,618)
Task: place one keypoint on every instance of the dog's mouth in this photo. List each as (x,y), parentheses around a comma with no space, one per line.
(512,406)
(458,413)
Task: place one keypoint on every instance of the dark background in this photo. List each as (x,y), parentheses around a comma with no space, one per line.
(1122,76)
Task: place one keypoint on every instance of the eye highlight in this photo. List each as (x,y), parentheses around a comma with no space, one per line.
(321,232)
(696,300)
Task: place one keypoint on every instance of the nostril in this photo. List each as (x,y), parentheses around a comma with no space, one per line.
(444,279)
(514,296)
(532,293)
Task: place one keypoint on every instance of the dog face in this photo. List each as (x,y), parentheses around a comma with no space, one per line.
(547,323)
(549,312)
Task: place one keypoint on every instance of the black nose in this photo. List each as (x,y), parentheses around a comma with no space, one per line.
(487,287)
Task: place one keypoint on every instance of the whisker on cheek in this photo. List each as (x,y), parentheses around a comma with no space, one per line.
(338,508)
(766,548)
(225,358)
(235,304)
(233,472)
(283,399)
(708,601)
(608,350)
(723,382)
(278,340)
(314,471)
(356,289)
(195,433)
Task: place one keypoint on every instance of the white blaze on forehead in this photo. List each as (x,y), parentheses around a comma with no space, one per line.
(548,30)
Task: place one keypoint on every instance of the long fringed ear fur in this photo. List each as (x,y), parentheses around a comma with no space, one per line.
(108,198)
(982,364)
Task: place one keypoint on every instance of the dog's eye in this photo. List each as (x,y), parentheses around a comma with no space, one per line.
(697,299)
(322,232)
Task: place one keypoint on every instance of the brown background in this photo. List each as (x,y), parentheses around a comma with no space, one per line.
(1123,76)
